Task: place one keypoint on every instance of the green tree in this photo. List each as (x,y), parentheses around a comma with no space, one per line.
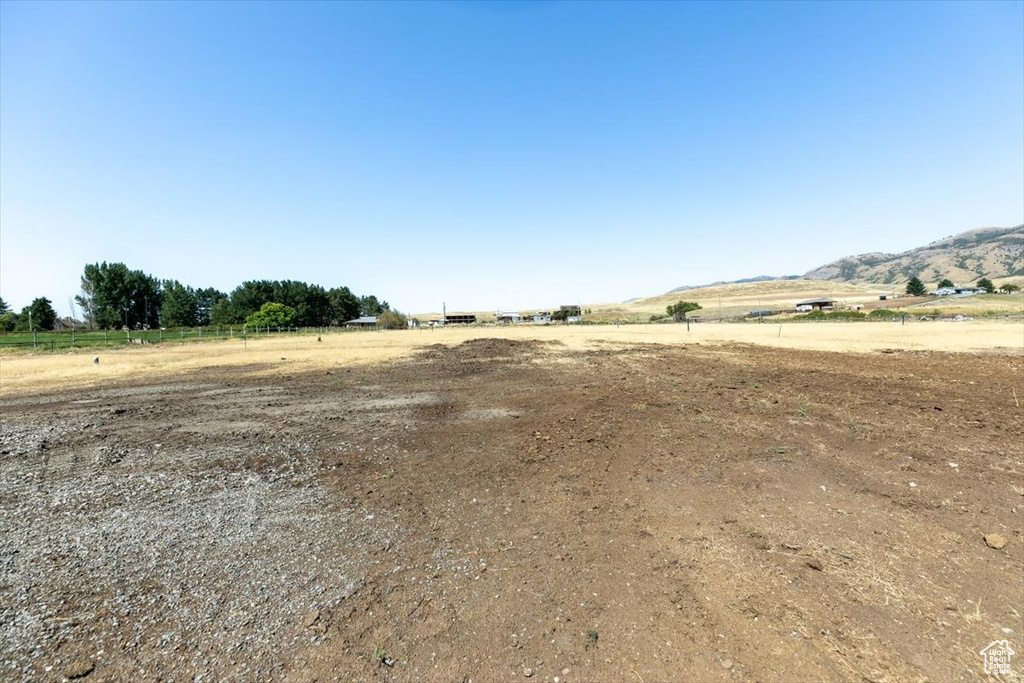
(3,306)
(679,309)
(206,301)
(391,320)
(223,313)
(114,296)
(915,287)
(272,315)
(180,307)
(369,305)
(945,283)
(248,298)
(39,314)
(344,305)
(8,321)
(1009,288)
(311,303)
(986,284)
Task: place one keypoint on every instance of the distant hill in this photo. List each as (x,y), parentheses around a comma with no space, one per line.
(963,258)
(744,281)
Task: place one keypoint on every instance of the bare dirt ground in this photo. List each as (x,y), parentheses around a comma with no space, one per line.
(503,509)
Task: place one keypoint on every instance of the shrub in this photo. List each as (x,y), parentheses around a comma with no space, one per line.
(391,320)
(272,315)
(833,315)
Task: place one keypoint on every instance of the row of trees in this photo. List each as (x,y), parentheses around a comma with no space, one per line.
(115,296)
(38,315)
(916,288)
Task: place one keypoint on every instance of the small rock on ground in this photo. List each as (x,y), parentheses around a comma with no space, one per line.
(996,541)
(79,668)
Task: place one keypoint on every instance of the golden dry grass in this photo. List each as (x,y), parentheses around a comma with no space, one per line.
(985,304)
(737,299)
(733,300)
(27,373)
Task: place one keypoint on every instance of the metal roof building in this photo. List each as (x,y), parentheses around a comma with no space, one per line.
(820,304)
(363,321)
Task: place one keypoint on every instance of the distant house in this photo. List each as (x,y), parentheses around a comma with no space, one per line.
(959,291)
(363,321)
(506,317)
(460,319)
(544,317)
(68,323)
(820,304)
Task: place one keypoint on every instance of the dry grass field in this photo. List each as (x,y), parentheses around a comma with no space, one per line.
(20,372)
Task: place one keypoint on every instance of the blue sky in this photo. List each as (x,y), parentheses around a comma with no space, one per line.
(497,155)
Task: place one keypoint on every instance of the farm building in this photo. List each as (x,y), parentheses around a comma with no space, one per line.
(959,291)
(543,317)
(506,317)
(460,319)
(820,304)
(571,311)
(364,321)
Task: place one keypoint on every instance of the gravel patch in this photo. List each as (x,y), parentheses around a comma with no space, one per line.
(145,561)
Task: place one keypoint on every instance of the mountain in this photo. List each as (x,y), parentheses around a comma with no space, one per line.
(963,258)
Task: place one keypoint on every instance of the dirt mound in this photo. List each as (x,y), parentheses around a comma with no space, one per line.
(488,348)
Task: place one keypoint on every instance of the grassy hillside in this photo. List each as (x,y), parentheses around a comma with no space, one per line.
(995,253)
(737,299)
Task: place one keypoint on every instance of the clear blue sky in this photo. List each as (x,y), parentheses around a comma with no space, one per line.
(496,155)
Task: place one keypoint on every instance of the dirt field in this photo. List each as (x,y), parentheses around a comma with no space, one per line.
(493,509)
